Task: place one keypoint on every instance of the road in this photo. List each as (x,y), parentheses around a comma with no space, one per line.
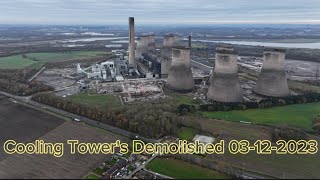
(27,100)
(140,167)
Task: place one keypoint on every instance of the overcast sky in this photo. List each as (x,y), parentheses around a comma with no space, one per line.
(159,11)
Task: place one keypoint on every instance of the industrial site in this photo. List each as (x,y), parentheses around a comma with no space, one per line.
(145,72)
(161,84)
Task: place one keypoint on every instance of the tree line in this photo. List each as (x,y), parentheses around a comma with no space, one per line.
(152,120)
(265,103)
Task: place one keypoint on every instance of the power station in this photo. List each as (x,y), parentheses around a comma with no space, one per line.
(180,76)
(173,66)
(224,82)
(272,80)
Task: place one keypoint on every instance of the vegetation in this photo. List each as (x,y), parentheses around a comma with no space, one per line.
(98,100)
(37,60)
(99,171)
(16,82)
(151,119)
(183,170)
(186,133)
(316,124)
(287,133)
(299,115)
(92,176)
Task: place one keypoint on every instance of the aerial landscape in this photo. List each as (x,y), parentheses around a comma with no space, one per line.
(159,90)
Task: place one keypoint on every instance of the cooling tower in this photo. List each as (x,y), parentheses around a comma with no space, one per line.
(169,41)
(144,44)
(221,47)
(272,80)
(180,75)
(151,43)
(131,41)
(224,84)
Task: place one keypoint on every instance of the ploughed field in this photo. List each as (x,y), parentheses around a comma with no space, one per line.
(23,124)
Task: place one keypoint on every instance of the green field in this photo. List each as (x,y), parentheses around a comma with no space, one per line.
(187,133)
(299,115)
(92,176)
(183,99)
(37,60)
(182,170)
(101,101)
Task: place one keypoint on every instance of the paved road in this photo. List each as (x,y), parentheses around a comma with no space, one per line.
(140,167)
(37,74)
(113,129)
(27,100)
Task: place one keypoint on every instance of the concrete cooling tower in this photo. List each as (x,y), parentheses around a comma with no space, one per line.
(221,47)
(224,84)
(180,75)
(144,44)
(272,80)
(169,41)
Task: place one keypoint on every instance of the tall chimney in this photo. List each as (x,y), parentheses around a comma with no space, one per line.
(190,41)
(131,41)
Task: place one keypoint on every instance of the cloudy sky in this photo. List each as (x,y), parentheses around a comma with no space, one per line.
(159,11)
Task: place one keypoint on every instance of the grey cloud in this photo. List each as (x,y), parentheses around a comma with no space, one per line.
(153,11)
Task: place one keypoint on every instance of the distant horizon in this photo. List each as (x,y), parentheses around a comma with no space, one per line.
(162,24)
(152,12)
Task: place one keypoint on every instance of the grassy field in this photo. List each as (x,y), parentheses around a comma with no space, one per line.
(101,101)
(182,99)
(15,62)
(289,166)
(182,170)
(19,62)
(92,176)
(299,115)
(187,133)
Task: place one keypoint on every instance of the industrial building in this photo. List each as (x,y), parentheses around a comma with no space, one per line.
(180,76)
(224,82)
(272,80)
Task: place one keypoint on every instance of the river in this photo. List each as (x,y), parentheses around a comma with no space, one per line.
(269,44)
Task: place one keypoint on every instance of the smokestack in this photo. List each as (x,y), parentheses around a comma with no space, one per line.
(190,41)
(131,41)
(224,83)
(272,80)
(169,41)
(180,75)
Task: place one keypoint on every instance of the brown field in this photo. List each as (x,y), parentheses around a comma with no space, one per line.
(23,124)
(280,166)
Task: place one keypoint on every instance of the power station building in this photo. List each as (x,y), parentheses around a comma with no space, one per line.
(272,80)
(224,81)
(169,41)
(180,76)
